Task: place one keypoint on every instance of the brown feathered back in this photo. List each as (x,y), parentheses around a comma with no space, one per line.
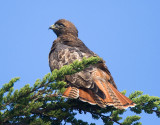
(94,84)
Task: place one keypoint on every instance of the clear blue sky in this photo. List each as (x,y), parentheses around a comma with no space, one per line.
(125,33)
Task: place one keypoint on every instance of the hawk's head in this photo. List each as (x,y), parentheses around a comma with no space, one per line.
(63,26)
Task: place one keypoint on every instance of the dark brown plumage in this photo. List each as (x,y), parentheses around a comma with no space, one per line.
(95,84)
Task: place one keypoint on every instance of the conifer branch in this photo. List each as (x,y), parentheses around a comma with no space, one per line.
(42,103)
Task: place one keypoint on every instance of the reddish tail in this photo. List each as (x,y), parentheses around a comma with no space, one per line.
(112,95)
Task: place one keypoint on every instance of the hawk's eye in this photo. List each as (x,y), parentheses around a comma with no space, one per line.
(61,25)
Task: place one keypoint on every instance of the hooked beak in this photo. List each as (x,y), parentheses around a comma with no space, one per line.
(52,27)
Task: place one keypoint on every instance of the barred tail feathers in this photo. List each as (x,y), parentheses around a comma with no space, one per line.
(84,95)
(112,95)
(71,92)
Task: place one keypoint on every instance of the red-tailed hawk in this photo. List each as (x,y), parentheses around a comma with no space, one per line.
(94,84)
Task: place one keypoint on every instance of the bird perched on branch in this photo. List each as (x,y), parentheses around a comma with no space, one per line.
(94,84)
